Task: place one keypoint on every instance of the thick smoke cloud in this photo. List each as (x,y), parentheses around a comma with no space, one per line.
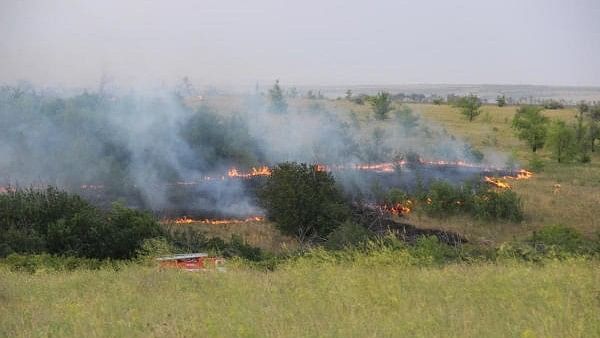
(155,151)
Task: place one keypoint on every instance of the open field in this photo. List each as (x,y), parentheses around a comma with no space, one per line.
(366,299)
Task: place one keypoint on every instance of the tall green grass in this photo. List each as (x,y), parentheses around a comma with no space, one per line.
(381,295)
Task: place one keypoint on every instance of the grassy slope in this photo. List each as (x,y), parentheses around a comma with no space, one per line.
(360,300)
(577,204)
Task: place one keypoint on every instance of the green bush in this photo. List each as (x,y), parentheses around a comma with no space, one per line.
(498,204)
(444,199)
(347,235)
(55,222)
(303,201)
(188,239)
(430,248)
(559,238)
(33,263)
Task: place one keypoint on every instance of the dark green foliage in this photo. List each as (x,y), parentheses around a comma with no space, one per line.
(536,163)
(501,101)
(474,154)
(553,104)
(444,199)
(406,118)
(561,141)
(395,196)
(559,237)
(277,98)
(430,248)
(303,201)
(438,101)
(381,105)
(33,263)
(189,239)
(531,126)
(470,106)
(347,235)
(498,204)
(236,247)
(52,221)
(214,139)
(593,134)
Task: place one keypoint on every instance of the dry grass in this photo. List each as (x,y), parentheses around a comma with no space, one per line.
(561,299)
(577,202)
(260,234)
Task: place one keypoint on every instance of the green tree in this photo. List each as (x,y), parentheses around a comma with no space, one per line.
(581,131)
(303,201)
(531,126)
(381,105)
(470,106)
(593,129)
(278,103)
(501,101)
(593,134)
(348,95)
(561,140)
(438,101)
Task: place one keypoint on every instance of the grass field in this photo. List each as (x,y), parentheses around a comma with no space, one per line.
(305,299)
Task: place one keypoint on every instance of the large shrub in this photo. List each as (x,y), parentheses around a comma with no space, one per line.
(498,204)
(559,238)
(444,199)
(53,221)
(303,201)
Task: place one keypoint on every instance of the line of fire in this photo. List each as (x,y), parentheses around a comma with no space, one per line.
(403,175)
(390,174)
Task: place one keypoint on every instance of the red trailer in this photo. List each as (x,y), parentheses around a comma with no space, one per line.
(192,262)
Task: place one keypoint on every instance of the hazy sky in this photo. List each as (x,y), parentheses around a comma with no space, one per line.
(301,42)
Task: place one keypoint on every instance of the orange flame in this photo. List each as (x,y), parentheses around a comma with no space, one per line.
(497,182)
(397,209)
(260,171)
(186,220)
(522,174)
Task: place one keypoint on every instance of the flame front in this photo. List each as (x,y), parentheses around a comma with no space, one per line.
(260,171)
(522,174)
(397,209)
(187,220)
(497,182)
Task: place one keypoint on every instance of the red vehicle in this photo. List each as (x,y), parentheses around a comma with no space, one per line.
(192,262)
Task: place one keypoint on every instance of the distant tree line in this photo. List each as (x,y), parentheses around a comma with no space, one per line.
(565,141)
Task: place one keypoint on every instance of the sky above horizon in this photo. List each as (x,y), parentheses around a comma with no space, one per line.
(138,43)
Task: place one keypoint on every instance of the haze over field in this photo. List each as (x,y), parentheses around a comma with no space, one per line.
(238,43)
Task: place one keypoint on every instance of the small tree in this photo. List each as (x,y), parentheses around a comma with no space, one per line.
(303,201)
(470,106)
(561,140)
(581,131)
(501,101)
(531,126)
(593,134)
(348,95)
(438,101)
(593,129)
(278,103)
(381,105)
